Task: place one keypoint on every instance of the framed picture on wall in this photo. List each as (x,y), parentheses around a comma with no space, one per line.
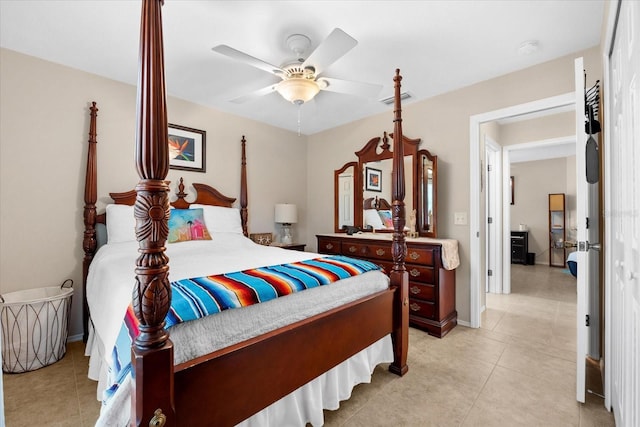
(373,179)
(187,148)
(511,185)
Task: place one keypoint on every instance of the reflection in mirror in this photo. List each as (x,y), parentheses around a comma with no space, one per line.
(378,197)
(344,195)
(363,188)
(427,175)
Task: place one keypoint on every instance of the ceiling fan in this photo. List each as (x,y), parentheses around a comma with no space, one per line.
(300,80)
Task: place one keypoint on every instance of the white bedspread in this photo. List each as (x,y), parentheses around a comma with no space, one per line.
(111,279)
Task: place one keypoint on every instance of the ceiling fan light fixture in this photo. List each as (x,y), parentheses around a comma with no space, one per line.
(298,90)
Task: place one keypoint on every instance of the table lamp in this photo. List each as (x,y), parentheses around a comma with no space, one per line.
(286,214)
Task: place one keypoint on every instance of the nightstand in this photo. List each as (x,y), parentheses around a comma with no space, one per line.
(291,246)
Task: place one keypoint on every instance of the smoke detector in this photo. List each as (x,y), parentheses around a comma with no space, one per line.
(528,47)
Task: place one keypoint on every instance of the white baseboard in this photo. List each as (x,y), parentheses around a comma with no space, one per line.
(74,338)
(464,323)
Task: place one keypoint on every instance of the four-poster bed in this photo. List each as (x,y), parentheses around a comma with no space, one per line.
(230,384)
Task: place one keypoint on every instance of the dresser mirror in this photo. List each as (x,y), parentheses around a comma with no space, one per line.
(363,188)
(427,193)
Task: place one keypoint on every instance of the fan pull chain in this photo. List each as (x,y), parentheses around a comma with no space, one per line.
(299,105)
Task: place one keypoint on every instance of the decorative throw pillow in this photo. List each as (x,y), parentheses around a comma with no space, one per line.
(221,220)
(187,224)
(385,216)
(372,218)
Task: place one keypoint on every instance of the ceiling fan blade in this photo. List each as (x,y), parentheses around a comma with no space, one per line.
(248,59)
(330,50)
(365,90)
(255,94)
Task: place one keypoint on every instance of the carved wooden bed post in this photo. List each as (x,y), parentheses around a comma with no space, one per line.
(152,351)
(243,188)
(90,197)
(399,276)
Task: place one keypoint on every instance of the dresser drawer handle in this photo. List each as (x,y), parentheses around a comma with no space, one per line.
(414,255)
(352,249)
(414,272)
(414,306)
(329,246)
(415,290)
(380,252)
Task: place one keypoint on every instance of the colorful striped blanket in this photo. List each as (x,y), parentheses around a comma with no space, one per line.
(199,297)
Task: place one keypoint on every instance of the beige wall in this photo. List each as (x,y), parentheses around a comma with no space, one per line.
(43,134)
(534,181)
(443,124)
(538,129)
(43,137)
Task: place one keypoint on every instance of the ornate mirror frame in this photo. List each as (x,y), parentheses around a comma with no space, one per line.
(420,200)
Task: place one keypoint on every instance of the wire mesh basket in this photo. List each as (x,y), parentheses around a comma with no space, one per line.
(35,324)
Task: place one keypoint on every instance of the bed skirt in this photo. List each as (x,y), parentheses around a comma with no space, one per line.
(302,406)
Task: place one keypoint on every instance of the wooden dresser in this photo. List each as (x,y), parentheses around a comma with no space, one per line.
(432,288)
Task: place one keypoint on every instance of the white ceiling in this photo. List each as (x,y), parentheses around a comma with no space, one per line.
(439,46)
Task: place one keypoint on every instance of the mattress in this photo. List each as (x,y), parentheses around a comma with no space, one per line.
(111,278)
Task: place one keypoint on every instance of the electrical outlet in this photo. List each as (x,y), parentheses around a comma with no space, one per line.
(460,218)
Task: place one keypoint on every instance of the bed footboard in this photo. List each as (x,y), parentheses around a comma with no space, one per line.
(257,372)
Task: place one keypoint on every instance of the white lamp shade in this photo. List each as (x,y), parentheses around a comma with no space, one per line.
(286,213)
(298,90)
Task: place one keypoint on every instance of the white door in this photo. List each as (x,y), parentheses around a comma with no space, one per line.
(582,212)
(622,204)
(345,193)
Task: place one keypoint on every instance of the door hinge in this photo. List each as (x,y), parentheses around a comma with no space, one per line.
(490,273)
(587,320)
(587,223)
(490,220)
(489,168)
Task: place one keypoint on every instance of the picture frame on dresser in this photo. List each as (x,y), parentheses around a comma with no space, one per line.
(373,179)
(511,187)
(187,148)
(265,239)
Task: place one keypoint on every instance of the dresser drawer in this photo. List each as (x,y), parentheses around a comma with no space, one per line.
(329,246)
(386,265)
(422,308)
(422,256)
(368,250)
(421,291)
(420,273)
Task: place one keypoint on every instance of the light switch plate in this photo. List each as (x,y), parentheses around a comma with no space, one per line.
(460,218)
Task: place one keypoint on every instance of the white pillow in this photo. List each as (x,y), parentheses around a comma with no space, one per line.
(372,218)
(121,224)
(221,220)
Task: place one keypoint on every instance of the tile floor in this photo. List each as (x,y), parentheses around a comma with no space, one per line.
(517,370)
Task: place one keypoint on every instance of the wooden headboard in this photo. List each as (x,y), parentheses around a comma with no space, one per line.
(205,195)
(379,204)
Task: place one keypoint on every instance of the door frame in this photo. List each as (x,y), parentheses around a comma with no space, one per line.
(476,214)
(506,211)
(607,44)
(494,202)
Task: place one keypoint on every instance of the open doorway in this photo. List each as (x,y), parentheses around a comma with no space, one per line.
(478,272)
(477,277)
(535,170)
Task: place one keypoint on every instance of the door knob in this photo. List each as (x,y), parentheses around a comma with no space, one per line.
(585,246)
